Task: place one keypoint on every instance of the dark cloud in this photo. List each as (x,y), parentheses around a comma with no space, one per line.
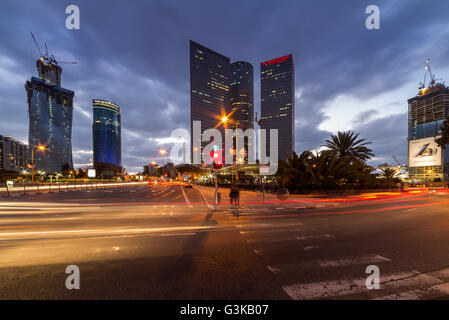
(364,117)
(136,54)
(388,136)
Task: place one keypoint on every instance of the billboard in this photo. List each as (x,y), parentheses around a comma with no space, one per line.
(424,152)
(91,173)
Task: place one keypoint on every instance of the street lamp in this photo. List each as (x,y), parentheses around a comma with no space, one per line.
(224,120)
(38,148)
(162,153)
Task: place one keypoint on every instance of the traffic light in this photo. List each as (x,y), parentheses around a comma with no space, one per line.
(217,165)
(216,157)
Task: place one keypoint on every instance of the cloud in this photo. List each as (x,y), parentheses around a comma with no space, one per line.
(137,56)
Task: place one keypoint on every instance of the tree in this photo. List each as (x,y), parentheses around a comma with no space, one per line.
(326,169)
(388,174)
(65,168)
(294,172)
(444,134)
(348,145)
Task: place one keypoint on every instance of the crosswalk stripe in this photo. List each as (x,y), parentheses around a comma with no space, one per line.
(273,269)
(308,248)
(333,288)
(366,259)
(296,238)
(356,260)
(417,294)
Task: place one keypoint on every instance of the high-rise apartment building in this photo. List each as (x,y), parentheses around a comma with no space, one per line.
(14,155)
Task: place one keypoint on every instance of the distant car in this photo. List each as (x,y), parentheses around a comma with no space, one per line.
(188,185)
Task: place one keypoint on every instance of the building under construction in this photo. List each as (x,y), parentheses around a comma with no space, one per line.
(50,110)
(426,113)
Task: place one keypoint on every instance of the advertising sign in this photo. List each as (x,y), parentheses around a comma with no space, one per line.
(424,152)
(91,173)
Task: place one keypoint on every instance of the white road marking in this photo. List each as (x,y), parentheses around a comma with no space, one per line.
(444,287)
(308,248)
(186,198)
(326,235)
(273,269)
(417,294)
(333,288)
(205,200)
(300,238)
(357,260)
(365,259)
(442,273)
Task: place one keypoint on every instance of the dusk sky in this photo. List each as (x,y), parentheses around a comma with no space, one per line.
(136,54)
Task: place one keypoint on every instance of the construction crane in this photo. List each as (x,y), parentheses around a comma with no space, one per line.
(395,159)
(50,59)
(432,81)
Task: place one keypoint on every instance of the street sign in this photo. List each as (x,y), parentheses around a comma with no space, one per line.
(91,173)
(10,183)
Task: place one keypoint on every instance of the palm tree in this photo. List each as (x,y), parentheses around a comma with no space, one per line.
(325,168)
(348,145)
(293,171)
(388,173)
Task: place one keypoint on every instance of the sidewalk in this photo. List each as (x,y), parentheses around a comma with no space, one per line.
(46,188)
(249,196)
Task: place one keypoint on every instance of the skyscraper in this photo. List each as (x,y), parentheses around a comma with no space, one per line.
(106,133)
(209,90)
(50,109)
(426,113)
(242,99)
(278,102)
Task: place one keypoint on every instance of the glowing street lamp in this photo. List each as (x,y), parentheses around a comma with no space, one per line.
(224,119)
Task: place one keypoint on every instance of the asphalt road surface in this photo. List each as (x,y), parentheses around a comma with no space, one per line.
(169,242)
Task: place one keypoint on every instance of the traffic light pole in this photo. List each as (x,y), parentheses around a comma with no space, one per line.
(216,189)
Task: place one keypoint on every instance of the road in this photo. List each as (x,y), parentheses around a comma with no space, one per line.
(170,242)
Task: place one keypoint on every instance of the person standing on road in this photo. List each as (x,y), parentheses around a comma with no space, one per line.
(235,195)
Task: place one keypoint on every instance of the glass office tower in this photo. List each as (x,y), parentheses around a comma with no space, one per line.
(50,109)
(209,90)
(106,133)
(278,102)
(242,101)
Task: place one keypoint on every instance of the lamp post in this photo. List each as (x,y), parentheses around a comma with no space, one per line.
(225,119)
(162,153)
(38,148)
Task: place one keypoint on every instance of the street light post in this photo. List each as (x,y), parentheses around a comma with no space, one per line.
(38,148)
(163,152)
(224,120)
